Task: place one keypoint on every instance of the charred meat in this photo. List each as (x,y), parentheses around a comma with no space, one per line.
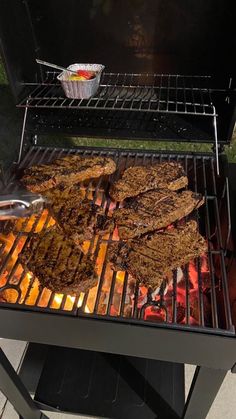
(76,215)
(68,170)
(151,258)
(58,263)
(154,210)
(139,179)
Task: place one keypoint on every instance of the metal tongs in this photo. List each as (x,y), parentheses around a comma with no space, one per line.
(20,204)
(57,67)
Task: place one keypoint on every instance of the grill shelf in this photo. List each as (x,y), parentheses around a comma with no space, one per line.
(165,93)
(154,93)
(110,386)
(115,299)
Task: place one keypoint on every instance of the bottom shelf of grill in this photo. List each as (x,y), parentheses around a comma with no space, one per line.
(110,386)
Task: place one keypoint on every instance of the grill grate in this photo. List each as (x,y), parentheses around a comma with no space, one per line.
(164,93)
(196,301)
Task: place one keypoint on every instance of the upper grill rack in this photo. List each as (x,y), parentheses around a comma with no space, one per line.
(165,93)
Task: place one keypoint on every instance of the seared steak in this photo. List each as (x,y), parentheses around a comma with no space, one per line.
(153,210)
(138,179)
(58,263)
(76,215)
(68,170)
(152,257)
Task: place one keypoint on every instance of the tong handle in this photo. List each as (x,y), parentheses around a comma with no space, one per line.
(58,67)
(19,205)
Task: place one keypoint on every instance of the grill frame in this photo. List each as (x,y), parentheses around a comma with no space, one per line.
(37,155)
(31,30)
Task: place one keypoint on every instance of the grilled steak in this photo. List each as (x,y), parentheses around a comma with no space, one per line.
(76,215)
(138,179)
(153,210)
(152,257)
(67,170)
(58,263)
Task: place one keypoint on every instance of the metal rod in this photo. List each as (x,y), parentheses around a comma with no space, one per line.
(228,216)
(187,307)
(200,293)
(205,386)
(14,390)
(22,134)
(216,142)
(174,297)
(57,67)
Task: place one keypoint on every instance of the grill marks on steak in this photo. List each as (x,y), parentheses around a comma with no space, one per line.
(58,263)
(67,170)
(152,257)
(62,267)
(139,179)
(154,210)
(76,215)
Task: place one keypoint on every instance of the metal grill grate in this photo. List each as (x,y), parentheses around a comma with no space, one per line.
(164,93)
(194,302)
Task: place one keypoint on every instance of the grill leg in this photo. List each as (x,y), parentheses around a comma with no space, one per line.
(12,387)
(204,388)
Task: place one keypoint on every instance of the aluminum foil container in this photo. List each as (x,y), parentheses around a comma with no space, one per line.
(81,89)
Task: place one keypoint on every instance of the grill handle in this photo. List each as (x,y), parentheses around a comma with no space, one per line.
(20,205)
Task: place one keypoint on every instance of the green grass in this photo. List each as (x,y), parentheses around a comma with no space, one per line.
(129,144)
(3,76)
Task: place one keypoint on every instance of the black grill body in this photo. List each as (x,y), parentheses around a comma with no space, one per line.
(170,75)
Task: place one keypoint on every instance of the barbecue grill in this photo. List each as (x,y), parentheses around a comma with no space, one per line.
(156,86)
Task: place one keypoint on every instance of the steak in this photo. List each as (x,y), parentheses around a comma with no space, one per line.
(153,210)
(151,258)
(68,170)
(138,179)
(76,215)
(58,263)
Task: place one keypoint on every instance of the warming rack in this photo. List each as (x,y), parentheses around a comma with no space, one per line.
(156,93)
(132,92)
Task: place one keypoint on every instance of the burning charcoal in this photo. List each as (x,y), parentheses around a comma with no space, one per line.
(206,280)
(194,307)
(160,290)
(128,311)
(155,314)
(180,313)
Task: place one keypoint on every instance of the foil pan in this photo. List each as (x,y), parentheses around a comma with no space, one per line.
(81,89)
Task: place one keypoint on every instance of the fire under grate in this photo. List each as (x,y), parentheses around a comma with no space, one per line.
(197,295)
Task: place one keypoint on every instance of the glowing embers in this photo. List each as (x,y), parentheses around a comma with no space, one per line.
(17,284)
(184,298)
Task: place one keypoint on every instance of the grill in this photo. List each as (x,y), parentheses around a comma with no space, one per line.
(119,350)
(115,298)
